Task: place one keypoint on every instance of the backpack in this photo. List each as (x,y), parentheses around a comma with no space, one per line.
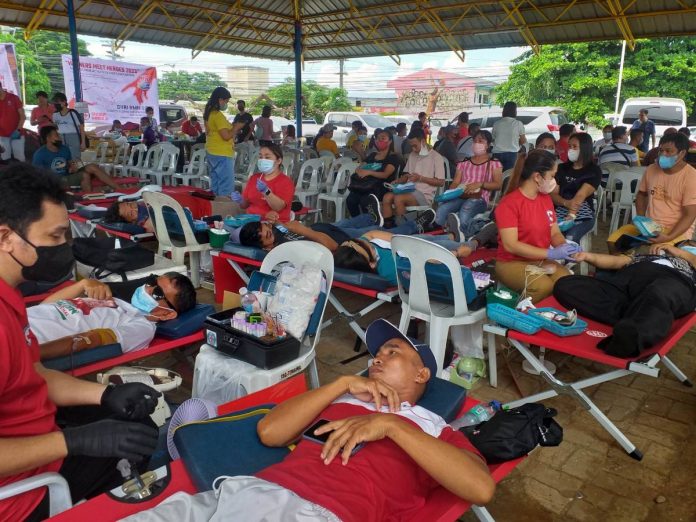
(513,433)
(102,254)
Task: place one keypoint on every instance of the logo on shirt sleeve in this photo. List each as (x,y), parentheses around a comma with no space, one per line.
(549,213)
(29,337)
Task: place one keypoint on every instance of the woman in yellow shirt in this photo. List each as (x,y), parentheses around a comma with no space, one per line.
(219,143)
(325,142)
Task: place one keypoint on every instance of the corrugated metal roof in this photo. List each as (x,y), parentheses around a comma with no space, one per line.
(357,28)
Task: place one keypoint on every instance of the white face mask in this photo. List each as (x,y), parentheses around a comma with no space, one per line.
(424,150)
(479,148)
(573,155)
(607,136)
(547,186)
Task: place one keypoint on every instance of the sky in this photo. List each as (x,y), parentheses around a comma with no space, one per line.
(366,76)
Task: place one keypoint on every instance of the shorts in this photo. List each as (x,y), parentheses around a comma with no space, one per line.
(74,179)
(420,198)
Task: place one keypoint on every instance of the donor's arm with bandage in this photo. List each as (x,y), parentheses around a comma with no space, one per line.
(77,343)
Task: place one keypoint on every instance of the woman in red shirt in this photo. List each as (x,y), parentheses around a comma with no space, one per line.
(269,192)
(530,244)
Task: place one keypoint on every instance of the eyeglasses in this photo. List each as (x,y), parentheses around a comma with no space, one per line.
(157,292)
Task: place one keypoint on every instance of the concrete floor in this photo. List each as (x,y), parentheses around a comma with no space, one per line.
(588,477)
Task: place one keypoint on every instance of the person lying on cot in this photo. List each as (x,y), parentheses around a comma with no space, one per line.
(371,252)
(85,315)
(641,300)
(266,235)
(382,457)
(136,213)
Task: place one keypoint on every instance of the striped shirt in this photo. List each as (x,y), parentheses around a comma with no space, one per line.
(472,173)
(622,153)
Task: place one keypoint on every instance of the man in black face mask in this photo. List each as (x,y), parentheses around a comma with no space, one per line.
(57,158)
(50,421)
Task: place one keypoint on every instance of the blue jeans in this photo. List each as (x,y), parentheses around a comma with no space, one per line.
(443,241)
(579,229)
(508,159)
(221,172)
(358,225)
(466,209)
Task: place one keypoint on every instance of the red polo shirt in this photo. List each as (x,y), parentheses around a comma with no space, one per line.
(9,115)
(25,409)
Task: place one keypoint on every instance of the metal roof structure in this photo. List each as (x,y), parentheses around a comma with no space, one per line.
(333,29)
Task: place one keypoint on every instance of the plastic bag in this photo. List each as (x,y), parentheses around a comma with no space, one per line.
(216,376)
(295,297)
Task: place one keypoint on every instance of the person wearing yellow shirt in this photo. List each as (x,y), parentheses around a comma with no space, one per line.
(325,142)
(636,140)
(219,143)
(353,134)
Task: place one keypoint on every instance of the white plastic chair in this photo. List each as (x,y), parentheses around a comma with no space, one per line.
(308,180)
(498,193)
(157,201)
(149,162)
(102,149)
(194,170)
(119,159)
(338,191)
(630,179)
(58,490)
(610,169)
(416,302)
(297,253)
(166,165)
(131,166)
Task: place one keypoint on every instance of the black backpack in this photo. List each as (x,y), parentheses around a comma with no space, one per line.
(102,254)
(513,433)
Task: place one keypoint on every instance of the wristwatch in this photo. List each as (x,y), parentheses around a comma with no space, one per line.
(268,192)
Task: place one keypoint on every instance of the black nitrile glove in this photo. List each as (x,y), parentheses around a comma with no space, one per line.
(132,400)
(111,438)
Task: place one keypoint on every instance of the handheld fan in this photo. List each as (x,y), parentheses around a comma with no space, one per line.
(191,410)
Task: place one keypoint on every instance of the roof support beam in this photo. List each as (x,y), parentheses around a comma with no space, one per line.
(379,42)
(141,15)
(39,16)
(443,31)
(618,13)
(513,13)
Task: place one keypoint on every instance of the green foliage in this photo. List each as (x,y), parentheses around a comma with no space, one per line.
(582,77)
(318,100)
(48,46)
(182,85)
(34,72)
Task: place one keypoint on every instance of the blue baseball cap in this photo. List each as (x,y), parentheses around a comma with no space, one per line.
(381,331)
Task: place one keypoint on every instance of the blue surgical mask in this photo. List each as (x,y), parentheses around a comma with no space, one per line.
(667,162)
(143,301)
(223,107)
(265,165)
(689,249)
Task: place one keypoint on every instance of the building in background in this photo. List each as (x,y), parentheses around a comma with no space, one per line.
(440,93)
(246,82)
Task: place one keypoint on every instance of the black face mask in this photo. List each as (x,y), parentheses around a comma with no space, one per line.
(58,106)
(53,263)
(57,143)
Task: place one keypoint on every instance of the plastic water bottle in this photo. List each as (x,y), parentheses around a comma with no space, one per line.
(249,301)
(478,414)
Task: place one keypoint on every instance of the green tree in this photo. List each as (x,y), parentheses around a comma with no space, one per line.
(318,100)
(183,85)
(49,46)
(582,77)
(34,72)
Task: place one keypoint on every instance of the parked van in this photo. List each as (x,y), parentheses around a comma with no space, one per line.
(535,119)
(342,121)
(664,112)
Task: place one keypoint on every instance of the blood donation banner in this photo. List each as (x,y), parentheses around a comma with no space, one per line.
(112,90)
(8,68)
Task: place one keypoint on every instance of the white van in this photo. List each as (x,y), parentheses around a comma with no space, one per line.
(664,112)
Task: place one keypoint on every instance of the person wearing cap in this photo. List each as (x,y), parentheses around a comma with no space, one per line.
(405,451)
(326,143)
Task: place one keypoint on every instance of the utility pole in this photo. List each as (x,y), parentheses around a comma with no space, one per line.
(341,72)
(24,80)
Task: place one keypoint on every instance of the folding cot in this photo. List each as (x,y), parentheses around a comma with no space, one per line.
(177,333)
(585,346)
(198,464)
(228,267)
(45,291)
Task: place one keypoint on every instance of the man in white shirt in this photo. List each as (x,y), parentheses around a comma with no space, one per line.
(619,151)
(85,315)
